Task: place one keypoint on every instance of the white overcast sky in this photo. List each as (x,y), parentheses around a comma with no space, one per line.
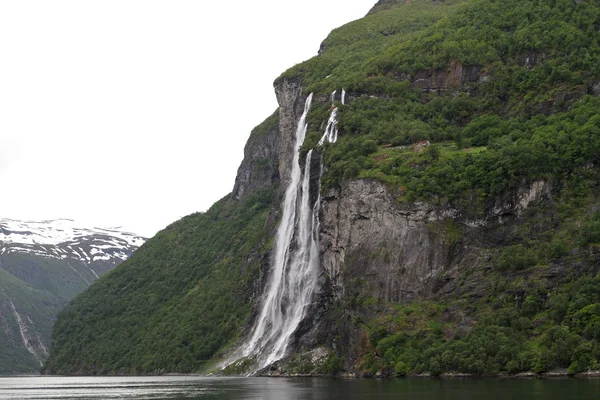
(135,113)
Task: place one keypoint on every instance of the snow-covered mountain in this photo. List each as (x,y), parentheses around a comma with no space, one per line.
(43,264)
(65,239)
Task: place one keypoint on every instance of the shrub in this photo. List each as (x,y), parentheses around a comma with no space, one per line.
(590,231)
(558,248)
(515,258)
(401,369)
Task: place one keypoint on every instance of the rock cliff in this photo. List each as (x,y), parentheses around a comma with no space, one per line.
(375,249)
(269,150)
(379,248)
(373,245)
(478,254)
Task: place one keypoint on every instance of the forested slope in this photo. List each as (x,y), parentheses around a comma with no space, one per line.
(478,254)
(43,265)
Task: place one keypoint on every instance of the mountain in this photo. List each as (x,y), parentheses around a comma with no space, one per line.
(426,199)
(42,266)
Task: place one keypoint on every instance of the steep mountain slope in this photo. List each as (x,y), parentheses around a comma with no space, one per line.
(474,251)
(42,266)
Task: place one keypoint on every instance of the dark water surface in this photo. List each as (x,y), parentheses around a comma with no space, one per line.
(292,388)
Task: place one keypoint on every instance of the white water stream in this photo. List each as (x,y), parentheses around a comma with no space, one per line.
(331,131)
(24,330)
(294,274)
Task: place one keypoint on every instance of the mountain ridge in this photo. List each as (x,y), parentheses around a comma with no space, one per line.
(43,265)
(476,252)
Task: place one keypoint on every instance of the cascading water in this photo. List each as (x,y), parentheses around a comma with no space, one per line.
(331,131)
(294,273)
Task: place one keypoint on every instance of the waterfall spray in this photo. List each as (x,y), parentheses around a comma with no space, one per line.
(294,273)
(293,276)
(331,131)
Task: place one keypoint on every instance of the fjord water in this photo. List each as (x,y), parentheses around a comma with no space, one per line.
(188,387)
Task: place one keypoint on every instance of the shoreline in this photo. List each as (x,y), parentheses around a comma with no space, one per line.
(555,374)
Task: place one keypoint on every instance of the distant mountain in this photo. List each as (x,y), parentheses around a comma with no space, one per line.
(43,264)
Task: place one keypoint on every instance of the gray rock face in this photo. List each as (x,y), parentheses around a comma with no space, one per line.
(260,167)
(291,105)
(594,89)
(517,204)
(453,76)
(268,154)
(372,245)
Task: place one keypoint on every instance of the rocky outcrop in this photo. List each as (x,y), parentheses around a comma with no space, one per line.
(291,105)
(515,204)
(269,151)
(260,167)
(594,88)
(373,245)
(454,76)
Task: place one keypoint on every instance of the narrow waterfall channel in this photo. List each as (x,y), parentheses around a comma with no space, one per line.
(331,131)
(294,274)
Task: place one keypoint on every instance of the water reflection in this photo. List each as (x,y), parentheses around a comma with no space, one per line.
(163,388)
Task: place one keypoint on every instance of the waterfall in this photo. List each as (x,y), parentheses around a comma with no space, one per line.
(294,272)
(24,331)
(331,131)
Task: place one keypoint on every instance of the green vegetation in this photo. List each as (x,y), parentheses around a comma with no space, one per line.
(506,153)
(183,296)
(501,89)
(519,328)
(507,93)
(39,305)
(349,53)
(505,77)
(590,231)
(308,364)
(515,258)
(39,288)
(520,43)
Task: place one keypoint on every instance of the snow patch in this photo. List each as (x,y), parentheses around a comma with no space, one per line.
(64,238)
(53,232)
